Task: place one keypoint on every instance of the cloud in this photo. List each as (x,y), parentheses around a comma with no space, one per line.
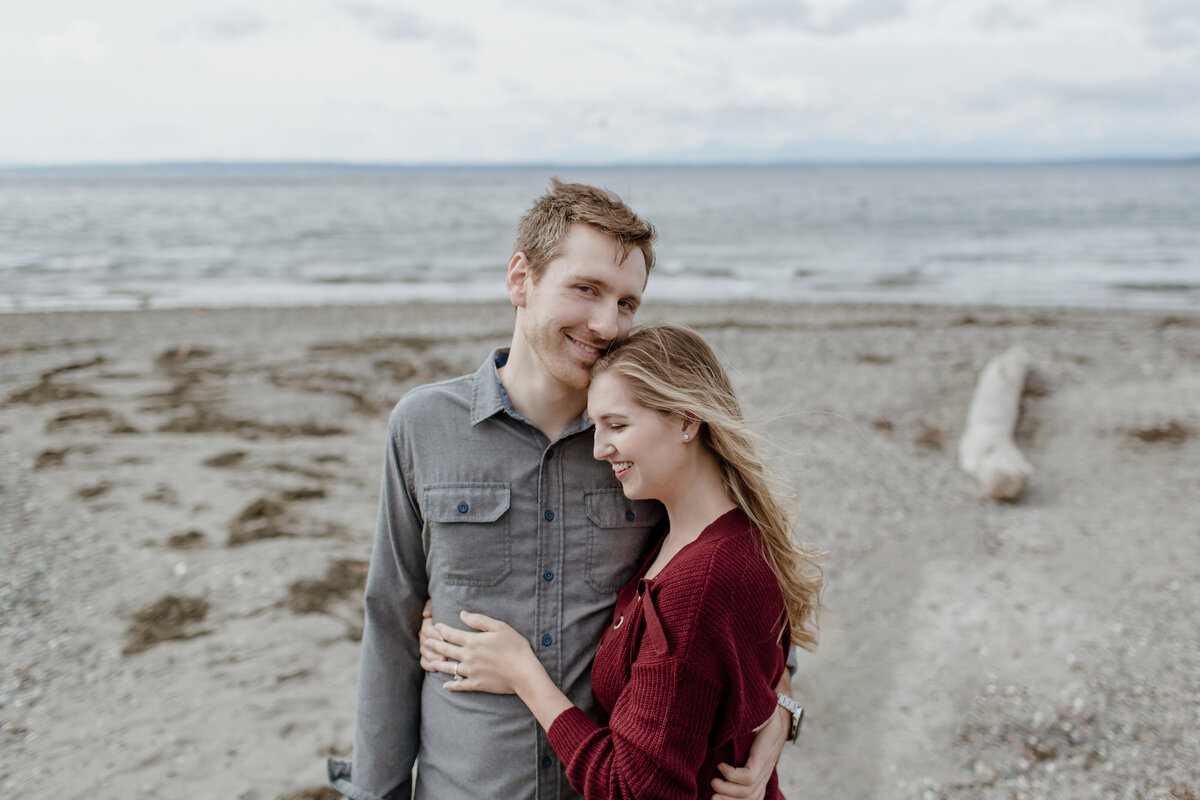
(386,22)
(618,80)
(818,17)
(1171,24)
(234,23)
(840,19)
(391,23)
(229,25)
(999,17)
(719,17)
(1152,94)
(81,42)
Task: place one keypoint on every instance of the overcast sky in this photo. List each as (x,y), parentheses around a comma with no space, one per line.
(602,82)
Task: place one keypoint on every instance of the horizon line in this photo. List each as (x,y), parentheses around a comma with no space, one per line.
(331,164)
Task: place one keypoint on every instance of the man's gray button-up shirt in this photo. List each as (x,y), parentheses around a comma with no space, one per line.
(480,511)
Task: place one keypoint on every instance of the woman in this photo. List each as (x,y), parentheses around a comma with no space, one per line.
(686,672)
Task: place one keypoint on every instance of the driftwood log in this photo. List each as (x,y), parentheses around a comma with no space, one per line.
(987,451)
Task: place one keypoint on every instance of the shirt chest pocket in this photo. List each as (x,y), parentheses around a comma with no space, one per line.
(468,532)
(618,533)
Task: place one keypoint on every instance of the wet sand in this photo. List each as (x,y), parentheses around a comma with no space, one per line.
(187,501)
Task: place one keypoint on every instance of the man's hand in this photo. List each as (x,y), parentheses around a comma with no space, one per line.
(428,636)
(750,781)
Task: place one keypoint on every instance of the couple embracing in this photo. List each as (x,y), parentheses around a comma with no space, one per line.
(613,586)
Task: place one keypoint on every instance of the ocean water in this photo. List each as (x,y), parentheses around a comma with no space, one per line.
(1099,235)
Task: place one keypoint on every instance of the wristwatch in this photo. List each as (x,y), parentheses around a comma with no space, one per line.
(797,712)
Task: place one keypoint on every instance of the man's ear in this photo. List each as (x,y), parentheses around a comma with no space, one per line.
(517,280)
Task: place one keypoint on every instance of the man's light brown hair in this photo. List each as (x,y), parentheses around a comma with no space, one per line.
(541,230)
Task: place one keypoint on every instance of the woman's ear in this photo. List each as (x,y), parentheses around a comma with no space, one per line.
(691,428)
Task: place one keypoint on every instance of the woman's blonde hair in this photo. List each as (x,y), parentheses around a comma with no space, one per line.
(672,370)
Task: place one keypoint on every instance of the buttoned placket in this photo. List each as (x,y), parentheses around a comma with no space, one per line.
(548,613)
(551,783)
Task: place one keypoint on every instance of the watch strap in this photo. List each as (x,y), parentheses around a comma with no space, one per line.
(797,712)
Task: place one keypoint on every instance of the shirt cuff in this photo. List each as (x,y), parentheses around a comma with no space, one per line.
(569,731)
(793,663)
(339,778)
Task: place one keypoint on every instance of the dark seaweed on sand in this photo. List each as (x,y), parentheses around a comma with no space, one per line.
(312,596)
(168,618)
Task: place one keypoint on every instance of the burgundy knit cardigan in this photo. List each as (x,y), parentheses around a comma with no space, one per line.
(683,675)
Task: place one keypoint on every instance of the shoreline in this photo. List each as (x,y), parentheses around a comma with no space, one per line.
(229,458)
(835,301)
(833,313)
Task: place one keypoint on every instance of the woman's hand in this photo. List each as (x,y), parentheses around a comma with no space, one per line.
(493,660)
(497,660)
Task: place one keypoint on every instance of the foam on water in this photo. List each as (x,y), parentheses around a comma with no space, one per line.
(1086,235)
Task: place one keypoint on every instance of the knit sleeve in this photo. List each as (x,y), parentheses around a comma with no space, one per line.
(705,677)
(656,739)
(753,653)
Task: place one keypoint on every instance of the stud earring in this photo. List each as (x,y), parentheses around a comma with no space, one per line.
(686,437)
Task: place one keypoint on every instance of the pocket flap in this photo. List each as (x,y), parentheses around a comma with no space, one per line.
(465,502)
(610,508)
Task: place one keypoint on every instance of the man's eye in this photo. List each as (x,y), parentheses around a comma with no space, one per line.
(587,289)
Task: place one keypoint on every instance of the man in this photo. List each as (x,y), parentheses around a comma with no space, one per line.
(491,502)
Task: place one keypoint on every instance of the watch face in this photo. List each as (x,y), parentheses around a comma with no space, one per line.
(797,720)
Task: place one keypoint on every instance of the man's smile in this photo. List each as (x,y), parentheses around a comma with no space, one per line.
(591,350)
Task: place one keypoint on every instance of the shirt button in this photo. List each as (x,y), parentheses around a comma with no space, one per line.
(463,508)
(549,454)
(549,515)
(630,516)
(548,575)
(547,762)
(547,640)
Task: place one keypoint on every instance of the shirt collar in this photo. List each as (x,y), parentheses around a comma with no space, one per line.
(487,400)
(490,397)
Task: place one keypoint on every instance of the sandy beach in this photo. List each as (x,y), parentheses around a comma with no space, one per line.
(188,498)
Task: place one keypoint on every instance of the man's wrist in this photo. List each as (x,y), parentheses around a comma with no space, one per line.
(795,712)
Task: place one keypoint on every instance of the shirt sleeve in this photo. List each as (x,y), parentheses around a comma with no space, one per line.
(388,707)
(656,739)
